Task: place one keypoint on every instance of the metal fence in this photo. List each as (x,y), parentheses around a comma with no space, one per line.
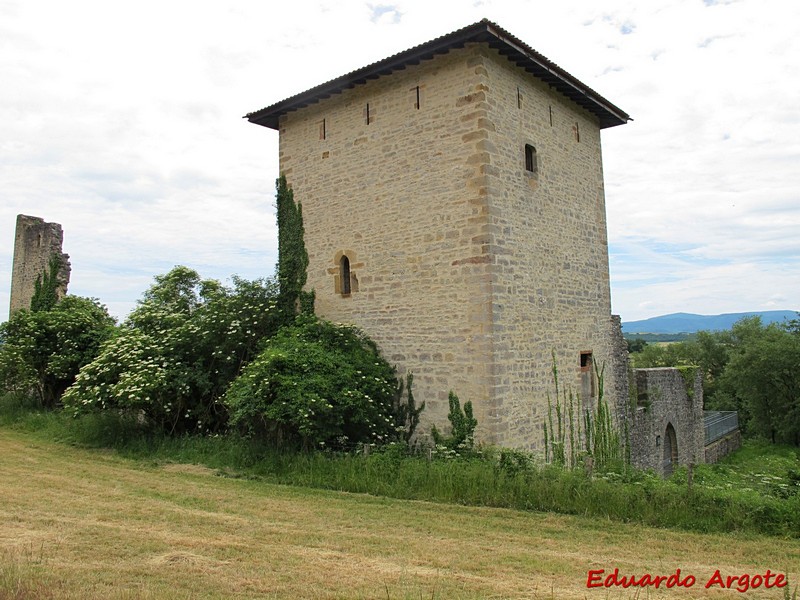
(719,423)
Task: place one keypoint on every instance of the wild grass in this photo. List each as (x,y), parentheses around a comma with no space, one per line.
(89,524)
(23,575)
(722,498)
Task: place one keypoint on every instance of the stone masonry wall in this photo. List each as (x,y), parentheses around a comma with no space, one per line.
(34,244)
(664,399)
(720,448)
(465,268)
(400,196)
(551,291)
(622,384)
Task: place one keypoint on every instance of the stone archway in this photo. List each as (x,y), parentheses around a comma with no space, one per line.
(670,450)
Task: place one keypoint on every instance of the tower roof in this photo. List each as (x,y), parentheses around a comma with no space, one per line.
(484,31)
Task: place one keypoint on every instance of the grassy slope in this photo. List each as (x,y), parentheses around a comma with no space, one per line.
(88,524)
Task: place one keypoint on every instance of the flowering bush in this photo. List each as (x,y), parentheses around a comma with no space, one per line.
(179,349)
(319,384)
(41,351)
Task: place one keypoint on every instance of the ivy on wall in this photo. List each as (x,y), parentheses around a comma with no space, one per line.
(45,290)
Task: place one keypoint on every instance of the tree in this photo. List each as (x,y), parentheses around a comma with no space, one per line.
(762,380)
(292,255)
(751,368)
(43,351)
(707,350)
(187,339)
(635,344)
(408,413)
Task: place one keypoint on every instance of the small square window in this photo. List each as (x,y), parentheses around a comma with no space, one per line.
(531,162)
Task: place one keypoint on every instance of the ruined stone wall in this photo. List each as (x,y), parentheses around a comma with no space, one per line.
(665,398)
(720,448)
(465,268)
(622,390)
(34,244)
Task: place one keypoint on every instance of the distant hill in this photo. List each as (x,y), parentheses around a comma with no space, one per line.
(689,323)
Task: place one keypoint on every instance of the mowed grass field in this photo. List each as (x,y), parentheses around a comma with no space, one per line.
(87,524)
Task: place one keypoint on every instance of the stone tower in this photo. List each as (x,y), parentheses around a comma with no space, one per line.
(35,243)
(454,209)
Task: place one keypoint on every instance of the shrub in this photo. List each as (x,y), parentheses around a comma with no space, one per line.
(41,352)
(408,412)
(179,350)
(462,427)
(317,383)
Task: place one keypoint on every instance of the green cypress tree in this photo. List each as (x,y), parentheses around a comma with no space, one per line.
(292,255)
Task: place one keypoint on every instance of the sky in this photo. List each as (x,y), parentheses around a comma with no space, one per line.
(122,121)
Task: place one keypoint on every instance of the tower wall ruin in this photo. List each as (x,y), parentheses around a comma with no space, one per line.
(35,244)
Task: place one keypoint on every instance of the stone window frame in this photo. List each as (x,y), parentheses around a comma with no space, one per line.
(344,275)
(531,160)
(586,364)
(345,266)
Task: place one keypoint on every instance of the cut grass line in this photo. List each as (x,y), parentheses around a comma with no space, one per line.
(92,525)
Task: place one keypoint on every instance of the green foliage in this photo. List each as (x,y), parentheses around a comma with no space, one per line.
(635,344)
(665,355)
(178,351)
(407,412)
(651,338)
(595,430)
(555,434)
(462,427)
(746,493)
(317,383)
(45,289)
(603,439)
(751,368)
(689,375)
(762,381)
(759,469)
(41,352)
(292,255)
(513,462)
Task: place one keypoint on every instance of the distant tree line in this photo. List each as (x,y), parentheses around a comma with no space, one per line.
(752,368)
(648,338)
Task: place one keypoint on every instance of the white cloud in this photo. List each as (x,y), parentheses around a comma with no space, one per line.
(123,123)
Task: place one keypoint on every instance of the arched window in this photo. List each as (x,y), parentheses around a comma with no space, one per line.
(670,450)
(344,275)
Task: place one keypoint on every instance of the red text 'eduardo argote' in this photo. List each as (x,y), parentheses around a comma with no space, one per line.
(740,583)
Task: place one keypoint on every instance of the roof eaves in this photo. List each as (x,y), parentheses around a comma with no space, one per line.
(557,77)
(483,31)
(268,116)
